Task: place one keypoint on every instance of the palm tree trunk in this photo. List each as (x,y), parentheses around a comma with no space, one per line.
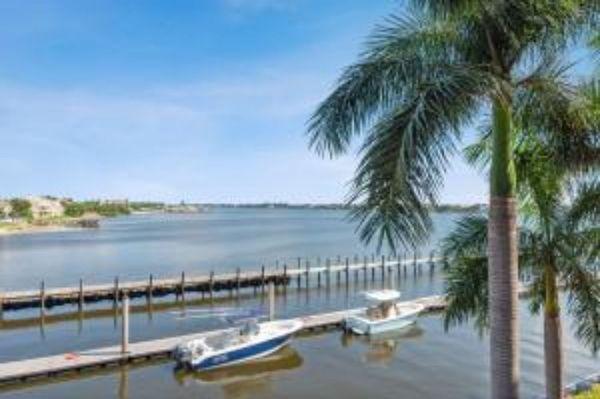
(503,260)
(553,359)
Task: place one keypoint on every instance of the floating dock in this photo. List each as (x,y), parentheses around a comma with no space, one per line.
(208,284)
(13,373)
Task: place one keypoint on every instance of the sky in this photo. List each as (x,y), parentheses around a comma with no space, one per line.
(202,101)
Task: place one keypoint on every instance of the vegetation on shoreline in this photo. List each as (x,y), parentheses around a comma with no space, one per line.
(78,209)
(593,393)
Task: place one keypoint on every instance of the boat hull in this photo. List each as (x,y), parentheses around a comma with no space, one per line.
(361,326)
(236,356)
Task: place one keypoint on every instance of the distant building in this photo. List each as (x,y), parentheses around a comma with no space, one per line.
(43,207)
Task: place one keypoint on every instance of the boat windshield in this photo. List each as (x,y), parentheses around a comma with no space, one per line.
(250,327)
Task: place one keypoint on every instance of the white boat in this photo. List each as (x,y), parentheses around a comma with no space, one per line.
(383,314)
(250,341)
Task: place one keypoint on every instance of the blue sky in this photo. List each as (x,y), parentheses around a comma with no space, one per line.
(167,100)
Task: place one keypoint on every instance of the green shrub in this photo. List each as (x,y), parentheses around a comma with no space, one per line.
(20,208)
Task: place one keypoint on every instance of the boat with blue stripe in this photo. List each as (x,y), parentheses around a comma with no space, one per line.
(250,341)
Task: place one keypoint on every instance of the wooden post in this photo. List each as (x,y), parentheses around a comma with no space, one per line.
(42,297)
(271,301)
(365,269)
(80,294)
(182,289)
(415,263)
(431,262)
(307,274)
(347,270)
(299,275)
(125,324)
(211,280)
(150,287)
(382,267)
(328,266)
(262,278)
(116,291)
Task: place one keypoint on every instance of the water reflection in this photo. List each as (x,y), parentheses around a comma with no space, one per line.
(250,379)
(382,348)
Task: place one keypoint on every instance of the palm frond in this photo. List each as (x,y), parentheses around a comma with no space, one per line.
(406,154)
(400,55)
(584,303)
(468,238)
(585,208)
(564,116)
(467,292)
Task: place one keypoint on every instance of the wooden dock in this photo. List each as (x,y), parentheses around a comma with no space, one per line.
(15,372)
(209,284)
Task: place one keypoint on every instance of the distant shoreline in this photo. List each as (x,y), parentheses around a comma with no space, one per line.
(23,230)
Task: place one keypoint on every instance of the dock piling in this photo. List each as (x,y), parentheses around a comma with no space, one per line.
(182,288)
(42,298)
(125,324)
(81,299)
(116,291)
(271,301)
(150,287)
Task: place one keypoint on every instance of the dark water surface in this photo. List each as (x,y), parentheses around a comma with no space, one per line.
(420,362)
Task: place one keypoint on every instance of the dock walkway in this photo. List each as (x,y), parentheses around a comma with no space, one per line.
(23,370)
(208,284)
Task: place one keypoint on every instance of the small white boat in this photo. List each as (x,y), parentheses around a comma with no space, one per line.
(250,341)
(383,314)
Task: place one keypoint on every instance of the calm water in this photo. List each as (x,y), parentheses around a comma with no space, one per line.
(421,362)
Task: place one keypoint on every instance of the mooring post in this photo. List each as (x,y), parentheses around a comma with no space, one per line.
(328,266)
(262,278)
(365,268)
(347,270)
(372,266)
(307,273)
(318,271)
(271,301)
(125,324)
(299,275)
(150,287)
(42,297)
(431,262)
(80,294)
(382,267)
(182,289)
(415,263)
(116,290)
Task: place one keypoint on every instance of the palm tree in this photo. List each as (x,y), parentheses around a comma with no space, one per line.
(425,75)
(557,242)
